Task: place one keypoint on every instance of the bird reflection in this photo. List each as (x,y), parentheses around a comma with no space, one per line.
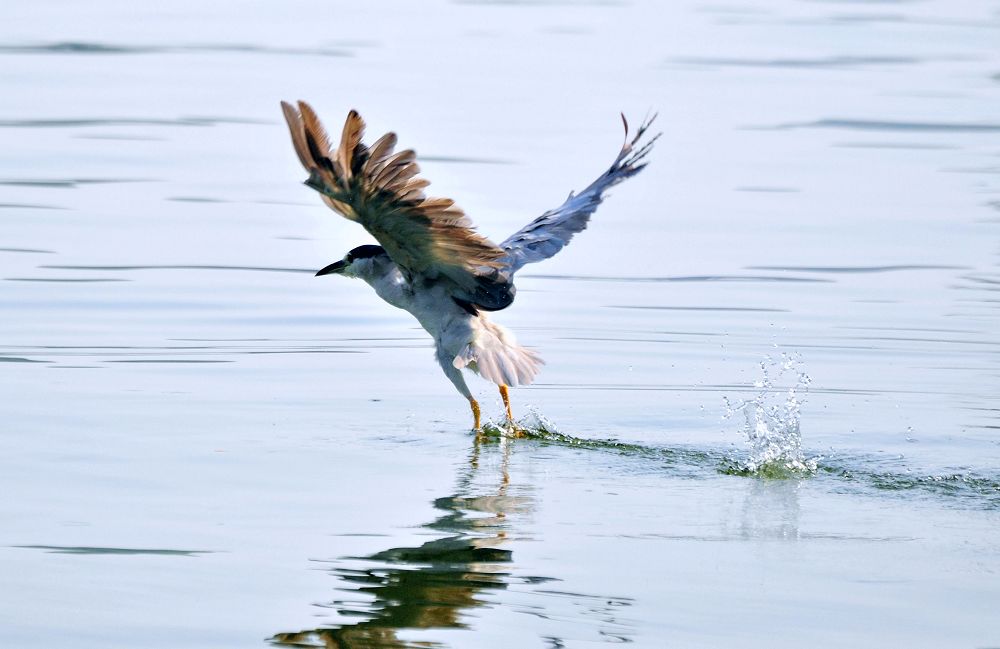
(434,585)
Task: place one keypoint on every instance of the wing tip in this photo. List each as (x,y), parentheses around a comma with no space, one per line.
(630,157)
(297,131)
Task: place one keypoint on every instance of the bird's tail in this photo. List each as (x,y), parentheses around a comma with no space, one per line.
(495,355)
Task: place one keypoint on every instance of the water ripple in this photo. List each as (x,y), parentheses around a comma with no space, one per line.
(29,250)
(824,63)
(68,280)
(67,183)
(86,122)
(27,206)
(859,269)
(682,278)
(81,47)
(697,308)
(265,269)
(81,549)
(465,160)
(891,125)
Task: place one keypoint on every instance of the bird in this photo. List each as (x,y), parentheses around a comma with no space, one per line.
(430,260)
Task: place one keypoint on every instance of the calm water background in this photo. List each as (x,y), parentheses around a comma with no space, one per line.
(204,446)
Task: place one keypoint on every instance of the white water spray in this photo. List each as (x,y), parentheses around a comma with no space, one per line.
(771,421)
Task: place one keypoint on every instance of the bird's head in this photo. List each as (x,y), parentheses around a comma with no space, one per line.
(361,262)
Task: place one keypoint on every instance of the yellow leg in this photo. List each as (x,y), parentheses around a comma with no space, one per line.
(505,395)
(475,414)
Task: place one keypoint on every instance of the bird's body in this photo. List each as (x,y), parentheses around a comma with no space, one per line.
(463,335)
(431,262)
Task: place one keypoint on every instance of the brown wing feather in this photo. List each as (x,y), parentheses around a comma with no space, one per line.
(380,189)
(298,134)
(317,141)
(351,152)
(378,153)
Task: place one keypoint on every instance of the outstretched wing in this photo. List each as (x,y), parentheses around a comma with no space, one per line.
(550,232)
(380,190)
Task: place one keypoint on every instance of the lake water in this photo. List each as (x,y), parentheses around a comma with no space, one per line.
(770,414)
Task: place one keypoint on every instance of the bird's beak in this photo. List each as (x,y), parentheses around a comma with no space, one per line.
(335,267)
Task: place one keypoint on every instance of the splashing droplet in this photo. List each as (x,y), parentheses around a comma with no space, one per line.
(771,423)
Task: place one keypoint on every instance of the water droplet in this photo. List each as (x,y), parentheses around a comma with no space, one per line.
(771,421)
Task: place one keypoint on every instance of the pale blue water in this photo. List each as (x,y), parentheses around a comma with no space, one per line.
(205,446)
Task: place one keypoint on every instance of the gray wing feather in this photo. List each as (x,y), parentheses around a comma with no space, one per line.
(550,232)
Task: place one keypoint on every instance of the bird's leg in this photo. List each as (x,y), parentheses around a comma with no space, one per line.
(475,415)
(505,395)
(516,430)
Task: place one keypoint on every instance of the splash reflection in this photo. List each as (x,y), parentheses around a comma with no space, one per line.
(771,510)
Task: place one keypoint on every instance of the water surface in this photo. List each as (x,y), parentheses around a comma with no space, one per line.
(771,405)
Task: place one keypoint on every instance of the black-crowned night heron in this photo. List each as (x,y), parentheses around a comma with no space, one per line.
(431,261)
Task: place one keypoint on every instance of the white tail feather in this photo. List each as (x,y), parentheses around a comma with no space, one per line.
(495,355)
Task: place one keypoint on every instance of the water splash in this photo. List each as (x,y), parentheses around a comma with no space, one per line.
(533,425)
(774,450)
(536,427)
(771,423)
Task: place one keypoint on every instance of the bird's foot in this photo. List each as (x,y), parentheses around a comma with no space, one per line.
(512,429)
